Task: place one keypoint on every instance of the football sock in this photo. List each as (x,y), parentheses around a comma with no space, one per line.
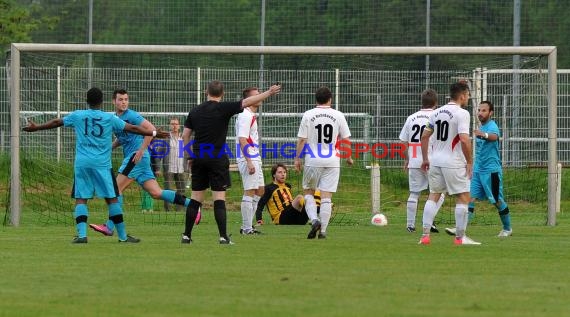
(311,207)
(505,216)
(460,220)
(254,203)
(110,224)
(191,214)
(258,213)
(440,201)
(80,214)
(471,210)
(412,209)
(116,215)
(506,220)
(430,211)
(246,212)
(326,211)
(221,217)
(180,200)
(168,195)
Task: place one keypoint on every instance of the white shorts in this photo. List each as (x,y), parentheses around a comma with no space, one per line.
(253,181)
(418,180)
(450,180)
(322,178)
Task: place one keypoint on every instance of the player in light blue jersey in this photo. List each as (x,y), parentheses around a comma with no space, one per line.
(487,181)
(93,172)
(136,163)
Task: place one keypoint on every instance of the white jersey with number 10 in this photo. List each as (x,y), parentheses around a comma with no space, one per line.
(447,123)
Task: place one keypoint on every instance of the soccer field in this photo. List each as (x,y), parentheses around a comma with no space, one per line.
(360,270)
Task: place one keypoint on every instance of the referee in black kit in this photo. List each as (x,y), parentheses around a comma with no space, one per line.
(208,159)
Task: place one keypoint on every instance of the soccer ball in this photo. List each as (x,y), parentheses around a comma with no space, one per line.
(379,220)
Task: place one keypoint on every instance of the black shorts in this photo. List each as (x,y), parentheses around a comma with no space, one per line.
(291,216)
(211,172)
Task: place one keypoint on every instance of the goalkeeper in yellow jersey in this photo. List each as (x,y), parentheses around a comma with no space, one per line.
(282,206)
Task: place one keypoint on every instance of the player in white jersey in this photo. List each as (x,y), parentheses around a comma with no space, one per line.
(249,162)
(319,134)
(417,178)
(450,163)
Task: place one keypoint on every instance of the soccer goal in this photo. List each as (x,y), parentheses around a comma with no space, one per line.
(376,87)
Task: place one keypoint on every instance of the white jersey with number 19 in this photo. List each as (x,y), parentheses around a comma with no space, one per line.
(447,123)
(323,127)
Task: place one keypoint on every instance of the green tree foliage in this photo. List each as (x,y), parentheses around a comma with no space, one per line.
(17,22)
(72,20)
(302,22)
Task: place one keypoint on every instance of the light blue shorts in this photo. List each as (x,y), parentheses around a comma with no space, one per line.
(100,181)
(141,172)
(487,186)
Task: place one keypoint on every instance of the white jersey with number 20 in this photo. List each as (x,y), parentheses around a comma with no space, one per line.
(412,133)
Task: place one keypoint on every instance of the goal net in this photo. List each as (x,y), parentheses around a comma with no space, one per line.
(375,91)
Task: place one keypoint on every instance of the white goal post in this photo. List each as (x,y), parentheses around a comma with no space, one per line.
(18,48)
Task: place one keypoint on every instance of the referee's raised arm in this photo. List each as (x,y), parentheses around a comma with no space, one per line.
(252,100)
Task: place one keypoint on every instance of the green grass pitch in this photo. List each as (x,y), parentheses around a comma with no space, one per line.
(360,270)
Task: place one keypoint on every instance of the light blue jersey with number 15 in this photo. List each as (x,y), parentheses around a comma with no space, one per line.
(94,136)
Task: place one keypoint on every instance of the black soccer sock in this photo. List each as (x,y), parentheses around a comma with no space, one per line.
(191,214)
(221,217)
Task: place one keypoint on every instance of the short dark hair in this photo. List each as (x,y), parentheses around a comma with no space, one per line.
(246,91)
(275,167)
(215,88)
(490,104)
(458,88)
(94,97)
(119,91)
(323,95)
(429,98)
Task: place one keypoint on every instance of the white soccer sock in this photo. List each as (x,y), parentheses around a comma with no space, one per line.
(246,213)
(430,211)
(440,201)
(254,204)
(311,207)
(326,211)
(460,220)
(412,209)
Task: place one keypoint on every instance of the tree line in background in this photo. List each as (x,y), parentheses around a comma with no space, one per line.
(294,22)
